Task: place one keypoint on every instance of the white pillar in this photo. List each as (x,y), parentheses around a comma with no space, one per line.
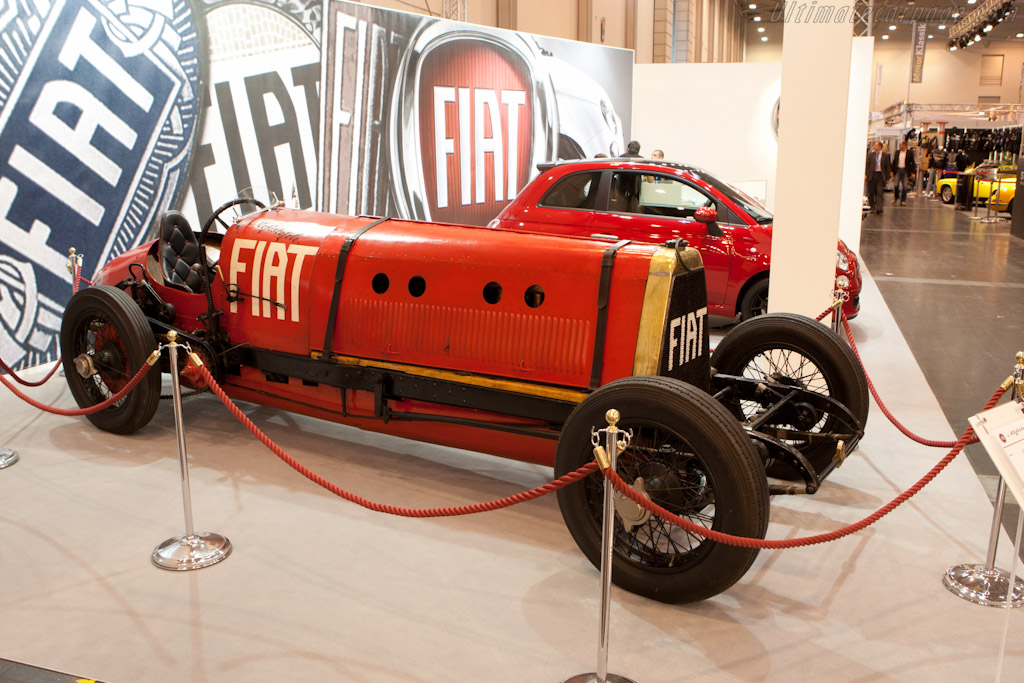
(812,144)
(857,112)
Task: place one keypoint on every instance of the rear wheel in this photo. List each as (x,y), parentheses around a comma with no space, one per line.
(691,457)
(789,349)
(104,340)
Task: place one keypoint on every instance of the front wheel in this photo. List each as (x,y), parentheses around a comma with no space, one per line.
(792,350)
(946,194)
(755,300)
(692,458)
(104,340)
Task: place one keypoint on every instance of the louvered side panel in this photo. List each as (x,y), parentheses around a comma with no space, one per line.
(491,342)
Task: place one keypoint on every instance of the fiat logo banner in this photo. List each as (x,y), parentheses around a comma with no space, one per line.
(436,120)
(97,120)
(473,115)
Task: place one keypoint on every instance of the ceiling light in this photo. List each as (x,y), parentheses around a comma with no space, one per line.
(955,15)
(942,27)
(752,6)
(892,27)
(1020,35)
(764,39)
(760,29)
(952,48)
(930,36)
(971,2)
(757,18)
(885,37)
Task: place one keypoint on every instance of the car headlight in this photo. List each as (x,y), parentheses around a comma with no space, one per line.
(842,282)
(842,263)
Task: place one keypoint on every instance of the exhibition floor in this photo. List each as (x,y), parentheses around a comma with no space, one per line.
(954,284)
(318,589)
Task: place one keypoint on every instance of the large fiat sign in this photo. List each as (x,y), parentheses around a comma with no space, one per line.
(473,108)
(436,120)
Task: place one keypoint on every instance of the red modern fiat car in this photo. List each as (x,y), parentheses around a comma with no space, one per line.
(655,201)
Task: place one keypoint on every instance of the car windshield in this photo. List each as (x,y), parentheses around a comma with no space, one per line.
(753,207)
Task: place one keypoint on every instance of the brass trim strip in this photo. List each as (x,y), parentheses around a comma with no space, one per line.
(509,385)
(664,265)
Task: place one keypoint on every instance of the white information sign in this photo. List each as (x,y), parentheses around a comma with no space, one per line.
(1001,431)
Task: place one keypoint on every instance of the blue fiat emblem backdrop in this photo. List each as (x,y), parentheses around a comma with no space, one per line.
(97,125)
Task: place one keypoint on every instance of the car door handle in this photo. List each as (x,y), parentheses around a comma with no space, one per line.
(604,236)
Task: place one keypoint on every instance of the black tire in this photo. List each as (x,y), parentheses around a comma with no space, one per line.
(697,462)
(791,348)
(947,194)
(755,300)
(105,324)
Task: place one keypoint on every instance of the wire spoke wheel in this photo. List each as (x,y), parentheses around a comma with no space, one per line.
(689,455)
(105,339)
(97,340)
(675,478)
(789,350)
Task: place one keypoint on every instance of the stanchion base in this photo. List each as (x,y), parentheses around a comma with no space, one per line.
(7,457)
(592,678)
(182,553)
(984,585)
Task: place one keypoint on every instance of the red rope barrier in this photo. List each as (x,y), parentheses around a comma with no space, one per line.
(25,383)
(824,313)
(744,542)
(885,411)
(522,497)
(5,368)
(132,383)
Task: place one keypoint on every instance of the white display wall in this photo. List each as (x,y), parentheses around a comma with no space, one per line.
(715,116)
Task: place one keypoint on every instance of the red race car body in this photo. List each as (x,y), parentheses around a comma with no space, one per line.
(514,344)
(656,201)
(458,300)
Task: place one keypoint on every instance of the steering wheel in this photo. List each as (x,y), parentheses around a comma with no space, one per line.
(215,216)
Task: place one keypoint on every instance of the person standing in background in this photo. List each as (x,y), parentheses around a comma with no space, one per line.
(961,162)
(904,168)
(632,149)
(877,171)
(657,154)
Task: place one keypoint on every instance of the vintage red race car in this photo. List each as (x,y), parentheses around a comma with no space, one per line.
(455,335)
(656,201)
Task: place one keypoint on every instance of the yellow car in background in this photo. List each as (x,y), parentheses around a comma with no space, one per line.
(986,174)
(1004,200)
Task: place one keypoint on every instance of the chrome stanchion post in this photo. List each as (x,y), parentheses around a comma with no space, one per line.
(8,457)
(974,198)
(989,218)
(986,584)
(193,550)
(615,441)
(839,297)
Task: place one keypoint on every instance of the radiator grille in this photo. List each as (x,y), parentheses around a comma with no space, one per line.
(684,342)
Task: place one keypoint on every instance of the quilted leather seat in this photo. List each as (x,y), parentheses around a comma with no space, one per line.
(179,252)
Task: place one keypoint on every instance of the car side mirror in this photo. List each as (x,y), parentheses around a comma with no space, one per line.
(706,214)
(709,216)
